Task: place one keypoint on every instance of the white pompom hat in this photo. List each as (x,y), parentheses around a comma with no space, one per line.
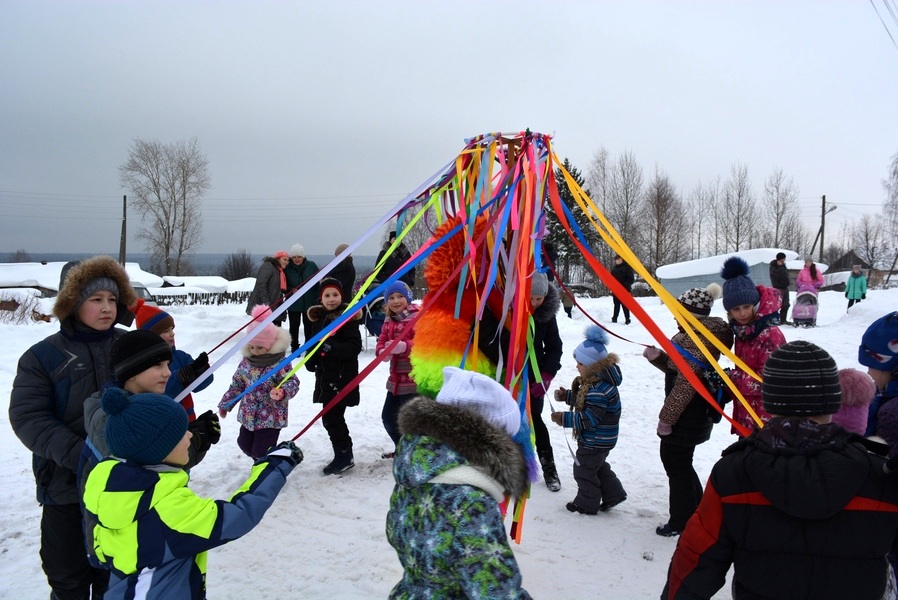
(483,395)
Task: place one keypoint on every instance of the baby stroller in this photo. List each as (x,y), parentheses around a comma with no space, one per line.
(804,311)
(373,314)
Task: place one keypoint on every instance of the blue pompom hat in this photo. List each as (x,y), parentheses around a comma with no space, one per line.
(401,287)
(879,344)
(143,428)
(738,288)
(593,349)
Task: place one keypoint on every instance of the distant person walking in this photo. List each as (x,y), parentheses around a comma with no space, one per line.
(299,270)
(856,286)
(625,276)
(779,279)
(271,283)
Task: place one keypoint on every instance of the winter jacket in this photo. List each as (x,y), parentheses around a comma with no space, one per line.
(399,382)
(181,359)
(153,532)
(889,429)
(779,275)
(56,375)
(297,276)
(344,272)
(754,343)
(856,287)
(337,365)
(595,403)
(800,510)
(804,278)
(267,290)
(452,469)
(684,408)
(258,410)
(624,274)
(394,263)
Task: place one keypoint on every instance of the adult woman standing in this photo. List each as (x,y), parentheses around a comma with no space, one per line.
(271,283)
(810,275)
(856,286)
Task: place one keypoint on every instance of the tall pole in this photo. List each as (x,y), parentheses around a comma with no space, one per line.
(823,211)
(121,247)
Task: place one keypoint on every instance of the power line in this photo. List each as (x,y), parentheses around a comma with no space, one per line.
(884,25)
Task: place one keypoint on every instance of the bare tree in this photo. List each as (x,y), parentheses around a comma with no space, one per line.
(625,195)
(871,241)
(167,183)
(890,206)
(19,256)
(663,223)
(740,210)
(598,181)
(238,265)
(782,217)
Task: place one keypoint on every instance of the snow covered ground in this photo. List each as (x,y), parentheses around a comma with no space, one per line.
(324,536)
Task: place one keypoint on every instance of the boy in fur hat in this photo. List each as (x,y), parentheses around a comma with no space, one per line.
(454,465)
(46,412)
(594,417)
(143,522)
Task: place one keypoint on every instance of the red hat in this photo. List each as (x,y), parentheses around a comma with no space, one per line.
(151,318)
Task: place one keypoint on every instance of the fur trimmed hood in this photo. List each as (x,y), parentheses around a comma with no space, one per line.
(469,438)
(280,346)
(549,307)
(69,298)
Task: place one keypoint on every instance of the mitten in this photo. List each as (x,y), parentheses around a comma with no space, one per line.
(561,395)
(222,413)
(557,417)
(863,296)
(287,451)
(399,348)
(651,353)
(846,294)
(188,373)
(664,429)
(276,394)
(540,387)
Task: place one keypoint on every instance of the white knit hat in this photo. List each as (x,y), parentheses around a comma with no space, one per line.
(483,395)
(297,250)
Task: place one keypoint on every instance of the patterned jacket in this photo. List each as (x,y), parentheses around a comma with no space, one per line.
(595,403)
(400,381)
(799,510)
(339,364)
(754,343)
(452,469)
(153,532)
(257,409)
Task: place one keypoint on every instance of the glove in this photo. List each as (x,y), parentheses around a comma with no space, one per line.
(399,348)
(325,348)
(539,388)
(557,417)
(664,429)
(287,451)
(651,353)
(863,296)
(561,395)
(188,373)
(276,394)
(206,430)
(222,413)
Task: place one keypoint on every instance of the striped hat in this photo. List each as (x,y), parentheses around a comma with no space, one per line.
(801,379)
(151,318)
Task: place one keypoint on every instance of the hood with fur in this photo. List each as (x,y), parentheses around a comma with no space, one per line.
(549,307)
(69,297)
(280,346)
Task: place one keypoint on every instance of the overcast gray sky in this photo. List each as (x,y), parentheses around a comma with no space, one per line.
(317,117)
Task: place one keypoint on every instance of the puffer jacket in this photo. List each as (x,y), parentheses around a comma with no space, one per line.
(754,343)
(800,510)
(257,409)
(684,409)
(856,287)
(595,404)
(805,278)
(337,365)
(267,290)
(56,375)
(297,276)
(452,469)
(400,381)
(147,527)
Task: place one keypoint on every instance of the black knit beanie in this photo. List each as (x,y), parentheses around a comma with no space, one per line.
(801,379)
(137,351)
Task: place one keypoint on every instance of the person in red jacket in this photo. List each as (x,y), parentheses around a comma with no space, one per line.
(800,508)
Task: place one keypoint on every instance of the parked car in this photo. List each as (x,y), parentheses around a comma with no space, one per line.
(142,292)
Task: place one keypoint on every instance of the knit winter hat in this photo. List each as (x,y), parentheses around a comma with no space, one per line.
(539,286)
(281,254)
(780,256)
(99,284)
(593,349)
(738,288)
(151,318)
(879,344)
(298,250)
(143,428)
(801,379)
(137,351)
(339,249)
(329,282)
(483,395)
(699,301)
(858,388)
(267,336)
(401,287)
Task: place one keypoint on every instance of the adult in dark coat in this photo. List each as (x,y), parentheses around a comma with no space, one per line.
(395,262)
(344,272)
(800,508)
(625,276)
(779,279)
(270,284)
(685,420)
(53,379)
(298,271)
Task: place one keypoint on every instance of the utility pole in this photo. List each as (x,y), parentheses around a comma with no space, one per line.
(823,212)
(121,247)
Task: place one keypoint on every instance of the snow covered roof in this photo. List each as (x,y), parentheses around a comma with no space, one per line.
(209,284)
(713,264)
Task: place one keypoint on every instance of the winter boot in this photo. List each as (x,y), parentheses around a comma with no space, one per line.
(550,474)
(342,462)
